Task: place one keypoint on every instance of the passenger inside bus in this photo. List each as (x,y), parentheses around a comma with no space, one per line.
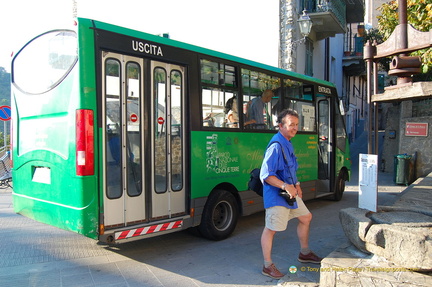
(231,110)
(257,111)
(208,121)
(233,115)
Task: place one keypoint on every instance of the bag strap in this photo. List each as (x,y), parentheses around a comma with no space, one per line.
(283,152)
(285,158)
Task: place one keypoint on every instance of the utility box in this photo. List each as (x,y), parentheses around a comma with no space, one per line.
(402,169)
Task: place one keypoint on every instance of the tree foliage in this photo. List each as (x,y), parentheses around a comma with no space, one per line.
(5,96)
(5,87)
(419,15)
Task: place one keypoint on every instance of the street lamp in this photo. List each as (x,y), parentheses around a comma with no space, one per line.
(289,40)
(305,24)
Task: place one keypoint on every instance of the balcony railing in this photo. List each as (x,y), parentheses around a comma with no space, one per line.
(329,17)
(353,40)
(352,61)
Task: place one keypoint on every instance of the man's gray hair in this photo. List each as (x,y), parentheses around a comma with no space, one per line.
(285,113)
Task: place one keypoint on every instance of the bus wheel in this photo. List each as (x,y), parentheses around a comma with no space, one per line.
(220,215)
(339,186)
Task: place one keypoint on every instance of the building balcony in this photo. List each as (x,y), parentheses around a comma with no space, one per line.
(352,60)
(328,17)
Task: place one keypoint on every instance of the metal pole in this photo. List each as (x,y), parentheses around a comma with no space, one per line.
(74,9)
(403,22)
(369,53)
(375,105)
(370,107)
(402,42)
(4,134)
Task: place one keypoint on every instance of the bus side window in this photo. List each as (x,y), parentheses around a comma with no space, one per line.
(213,106)
(258,99)
(219,83)
(306,113)
(299,97)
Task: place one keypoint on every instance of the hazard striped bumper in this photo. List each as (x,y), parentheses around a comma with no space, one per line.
(126,234)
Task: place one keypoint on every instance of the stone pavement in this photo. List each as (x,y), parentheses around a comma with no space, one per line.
(36,254)
(48,256)
(392,247)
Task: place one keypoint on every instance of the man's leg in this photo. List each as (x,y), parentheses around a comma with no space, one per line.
(306,255)
(267,243)
(303,229)
(269,269)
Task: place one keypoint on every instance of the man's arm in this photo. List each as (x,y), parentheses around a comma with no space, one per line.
(293,190)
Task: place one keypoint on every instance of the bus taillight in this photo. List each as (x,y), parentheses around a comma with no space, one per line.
(84,142)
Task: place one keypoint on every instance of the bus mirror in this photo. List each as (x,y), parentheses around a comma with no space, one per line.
(341,107)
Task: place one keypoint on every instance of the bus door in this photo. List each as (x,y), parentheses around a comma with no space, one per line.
(324,143)
(124,145)
(167,140)
(130,158)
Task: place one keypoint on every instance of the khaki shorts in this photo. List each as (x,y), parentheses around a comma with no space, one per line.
(277,217)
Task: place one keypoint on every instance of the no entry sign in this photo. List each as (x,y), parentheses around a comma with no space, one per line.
(133,118)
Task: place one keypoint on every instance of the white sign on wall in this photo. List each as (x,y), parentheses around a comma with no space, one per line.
(368,182)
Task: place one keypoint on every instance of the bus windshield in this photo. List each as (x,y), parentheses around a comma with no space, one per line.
(45,61)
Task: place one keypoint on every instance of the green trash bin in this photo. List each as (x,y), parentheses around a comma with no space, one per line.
(402,169)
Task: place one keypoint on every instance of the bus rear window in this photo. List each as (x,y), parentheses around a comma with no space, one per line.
(44,61)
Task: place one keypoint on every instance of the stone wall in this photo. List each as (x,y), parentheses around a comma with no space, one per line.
(419,145)
(397,117)
(391,143)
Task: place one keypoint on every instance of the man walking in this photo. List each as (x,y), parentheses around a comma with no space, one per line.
(278,172)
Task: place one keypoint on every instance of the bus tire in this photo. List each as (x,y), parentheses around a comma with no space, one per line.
(339,186)
(220,215)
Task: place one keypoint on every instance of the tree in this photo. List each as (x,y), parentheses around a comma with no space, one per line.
(5,99)
(5,87)
(419,13)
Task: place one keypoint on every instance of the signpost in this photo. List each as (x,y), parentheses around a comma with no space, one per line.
(368,181)
(5,115)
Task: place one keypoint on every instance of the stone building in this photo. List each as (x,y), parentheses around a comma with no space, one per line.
(332,51)
(408,128)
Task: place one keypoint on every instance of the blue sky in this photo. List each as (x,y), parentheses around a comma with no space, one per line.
(249,29)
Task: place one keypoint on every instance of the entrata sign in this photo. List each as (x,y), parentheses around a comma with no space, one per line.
(416,129)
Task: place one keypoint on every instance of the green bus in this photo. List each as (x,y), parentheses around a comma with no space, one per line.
(120,135)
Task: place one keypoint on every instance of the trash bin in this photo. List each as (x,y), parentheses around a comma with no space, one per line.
(402,169)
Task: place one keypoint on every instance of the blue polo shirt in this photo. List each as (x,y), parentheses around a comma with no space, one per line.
(274,164)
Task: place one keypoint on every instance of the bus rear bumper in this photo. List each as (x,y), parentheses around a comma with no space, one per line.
(137,232)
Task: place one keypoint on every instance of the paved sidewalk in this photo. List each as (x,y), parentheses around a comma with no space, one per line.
(36,254)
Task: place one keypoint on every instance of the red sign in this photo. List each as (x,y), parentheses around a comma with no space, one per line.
(416,129)
(161,120)
(133,118)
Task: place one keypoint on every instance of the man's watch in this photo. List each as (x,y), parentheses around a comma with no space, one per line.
(297,183)
(283,186)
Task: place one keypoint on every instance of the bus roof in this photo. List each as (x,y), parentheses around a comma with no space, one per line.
(142,35)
